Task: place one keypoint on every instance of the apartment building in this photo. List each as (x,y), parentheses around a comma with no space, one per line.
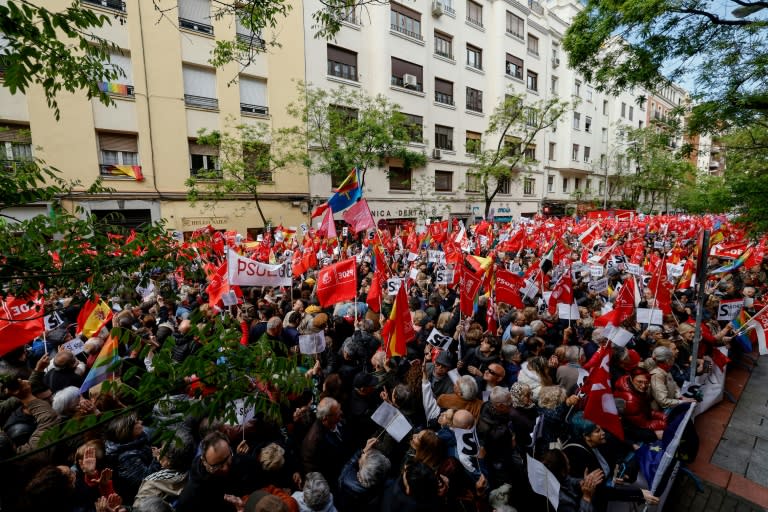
(448,63)
(169,92)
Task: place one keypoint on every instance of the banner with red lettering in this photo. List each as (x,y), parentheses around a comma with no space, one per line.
(337,283)
(508,286)
(20,322)
(244,271)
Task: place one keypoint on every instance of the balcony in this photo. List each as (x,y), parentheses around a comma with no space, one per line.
(474,21)
(253,40)
(535,6)
(247,108)
(443,53)
(445,99)
(201,102)
(195,26)
(14,165)
(398,82)
(115,5)
(398,28)
(448,9)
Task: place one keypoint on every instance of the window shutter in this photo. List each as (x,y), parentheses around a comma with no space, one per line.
(444,86)
(341,55)
(118,142)
(401,67)
(200,149)
(253,91)
(405,11)
(199,82)
(124,63)
(195,10)
(514,60)
(15,133)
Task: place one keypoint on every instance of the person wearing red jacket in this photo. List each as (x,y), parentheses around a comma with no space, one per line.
(641,423)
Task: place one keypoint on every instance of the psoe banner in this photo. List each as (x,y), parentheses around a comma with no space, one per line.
(244,271)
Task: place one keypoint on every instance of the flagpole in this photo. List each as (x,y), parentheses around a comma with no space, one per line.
(702,276)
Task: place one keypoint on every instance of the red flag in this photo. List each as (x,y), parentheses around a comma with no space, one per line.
(217,285)
(298,267)
(328,227)
(359,217)
(759,323)
(319,210)
(470,284)
(439,231)
(623,308)
(687,278)
(600,407)
(562,293)
(337,283)
(374,293)
(490,317)
(508,286)
(399,328)
(659,285)
(21,322)
(591,235)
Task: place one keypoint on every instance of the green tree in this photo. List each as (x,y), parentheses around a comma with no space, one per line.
(706,194)
(340,129)
(249,156)
(620,45)
(508,145)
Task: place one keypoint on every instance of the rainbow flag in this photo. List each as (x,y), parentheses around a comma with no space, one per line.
(133,171)
(104,366)
(736,263)
(113,88)
(744,339)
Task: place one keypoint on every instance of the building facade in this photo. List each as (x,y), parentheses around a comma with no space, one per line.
(168,94)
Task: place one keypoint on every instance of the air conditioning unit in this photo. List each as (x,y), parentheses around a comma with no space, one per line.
(555,62)
(436,154)
(437,9)
(410,81)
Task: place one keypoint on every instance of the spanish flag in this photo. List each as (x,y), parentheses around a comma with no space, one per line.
(399,328)
(133,171)
(93,316)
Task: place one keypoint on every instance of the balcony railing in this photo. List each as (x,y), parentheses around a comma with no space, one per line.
(196,26)
(445,99)
(206,174)
(443,53)
(253,40)
(475,21)
(535,6)
(254,109)
(398,28)
(110,171)
(116,5)
(201,102)
(448,9)
(13,165)
(398,82)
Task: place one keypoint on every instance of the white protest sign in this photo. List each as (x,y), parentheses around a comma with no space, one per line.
(568,312)
(393,285)
(658,244)
(618,335)
(229,299)
(543,482)
(650,316)
(344,231)
(443,275)
(598,286)
(467,448)
(729,309)
(75,346)
(596,271)
(312,343)
(412,256)
(244,271)
(454,375)
(243,412)
(530,289)
(634,269)
(392,420)
(53,320)
(674,270)
(413,273)
(439,339)
(145,292)
(436,257)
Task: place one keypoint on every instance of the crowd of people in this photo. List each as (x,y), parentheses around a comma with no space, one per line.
(508,384)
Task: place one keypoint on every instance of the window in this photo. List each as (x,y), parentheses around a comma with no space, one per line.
(604,137)
(200,87)
(443,181)
(552,150)
(603,161)
(533,44)
(529,184)
(531,118)
(405,21)
(15,144)
(117,149)
(473,182)
(123,86)
(550,183)
(587,152)
(631,112)
(204,161)
(511,146)
(195,15)
(600,187)
(589,186)
(443,91)
(406,74)
(342,63)
(575,153)
(533,81)
(515,25)
(588,124)
(640,125)
(503,184)
(444,137)
(565,184)
(473,143)
(576,121)
(530,152)
(589,94)
(341,118)
(415,127)
(474,57)
(623,109)
(399,178)
(553,85)
(577,88)
(474,13)
(443,45)
(116,5)
(577,184)
(514,67)
(253,96)
(474,100)
(605,107)
(256,162)
(254,39)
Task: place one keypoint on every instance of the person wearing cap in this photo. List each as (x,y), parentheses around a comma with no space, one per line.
(361,404)
(437,374)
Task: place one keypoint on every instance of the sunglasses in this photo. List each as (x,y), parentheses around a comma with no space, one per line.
(493,373)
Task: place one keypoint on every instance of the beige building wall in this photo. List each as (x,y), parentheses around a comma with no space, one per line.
(163,123)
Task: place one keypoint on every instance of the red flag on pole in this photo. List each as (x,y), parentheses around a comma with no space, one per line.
(21,322)
(562,293)
(399,328)
(600,407)
(374,293)
(508,286)
(337,283)
(328,227)
(470,284)
(359,217)
(623,308)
